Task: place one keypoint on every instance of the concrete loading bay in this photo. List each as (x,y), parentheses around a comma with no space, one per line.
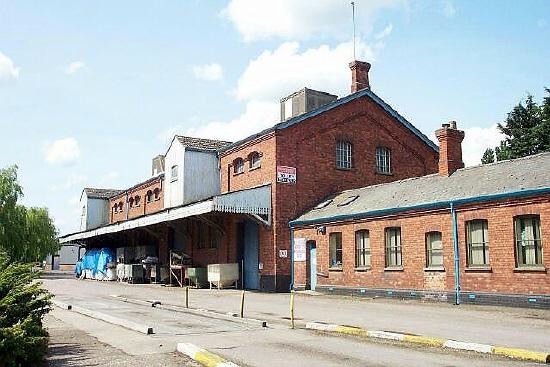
(212,322)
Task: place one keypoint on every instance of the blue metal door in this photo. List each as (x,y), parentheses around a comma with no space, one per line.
(251,273)
(312,265)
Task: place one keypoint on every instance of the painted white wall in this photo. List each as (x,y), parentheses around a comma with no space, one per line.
(94,212)
(202,176)
(173,190)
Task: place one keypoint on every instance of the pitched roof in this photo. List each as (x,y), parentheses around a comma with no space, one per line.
(329,106)
(202,144)
(160,176)
(517,177)
(94,193)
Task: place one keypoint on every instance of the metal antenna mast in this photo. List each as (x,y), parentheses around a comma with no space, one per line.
(353,19)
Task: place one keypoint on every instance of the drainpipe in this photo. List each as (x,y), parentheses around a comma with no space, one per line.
(291,259)
(456,254)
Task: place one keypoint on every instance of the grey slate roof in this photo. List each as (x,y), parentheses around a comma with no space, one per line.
(523,176)
(202,144)
(94,193)
(362,93)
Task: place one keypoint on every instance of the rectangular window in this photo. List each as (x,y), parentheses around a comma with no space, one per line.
(478,242)
(393,247)
(528,241)
(344,153)
(335,253)
(174,173)
(362,249)
(383,160)
(434,249)
(214,238)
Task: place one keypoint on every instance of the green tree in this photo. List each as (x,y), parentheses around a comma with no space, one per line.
(526,130)
(26,234)
(488,156)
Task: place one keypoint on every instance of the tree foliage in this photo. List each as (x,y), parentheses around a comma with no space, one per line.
(526,130)
(23,303)
(488,156)
(26,234)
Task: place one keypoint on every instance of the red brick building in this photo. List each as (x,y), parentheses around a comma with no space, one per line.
(463,234)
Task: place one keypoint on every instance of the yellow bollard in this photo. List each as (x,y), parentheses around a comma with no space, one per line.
(292,310)
(242,304)
(186,296)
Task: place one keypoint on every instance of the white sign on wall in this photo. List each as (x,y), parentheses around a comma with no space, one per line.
(299,249)
(283,253)
(286,174)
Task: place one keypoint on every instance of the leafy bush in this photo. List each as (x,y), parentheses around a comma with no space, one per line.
(23,303)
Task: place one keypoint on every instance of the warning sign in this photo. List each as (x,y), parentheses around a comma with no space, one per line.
(286,174)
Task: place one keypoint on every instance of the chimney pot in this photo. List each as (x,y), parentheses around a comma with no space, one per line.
(453,124)
(359,75)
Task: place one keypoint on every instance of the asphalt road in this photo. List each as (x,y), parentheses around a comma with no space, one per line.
(246,345)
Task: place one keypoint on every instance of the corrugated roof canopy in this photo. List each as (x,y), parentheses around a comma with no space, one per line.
(529,174)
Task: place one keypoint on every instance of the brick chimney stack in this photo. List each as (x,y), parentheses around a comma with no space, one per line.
(359,75)
(450,148)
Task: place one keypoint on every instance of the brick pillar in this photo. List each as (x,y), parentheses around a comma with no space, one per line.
(359,75)
(450,148)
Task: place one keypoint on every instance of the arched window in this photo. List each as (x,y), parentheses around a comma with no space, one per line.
(157,193)
(254,160)
(120,207)
(137,200)
(344,154)
(383,160)
(131,202)
(238,166)
(115,208)
(149,196)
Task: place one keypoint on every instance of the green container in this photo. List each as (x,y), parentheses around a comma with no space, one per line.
(197,276)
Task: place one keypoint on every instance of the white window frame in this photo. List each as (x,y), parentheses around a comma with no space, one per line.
(362,249)
(344,154)
(383,160)
(482,245)
(528,241)
(393,249)
(431,241)
(174,173)
(238,166)
(335,250)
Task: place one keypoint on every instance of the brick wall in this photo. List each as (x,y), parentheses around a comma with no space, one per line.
(310,146)
(144,207)
(502,277)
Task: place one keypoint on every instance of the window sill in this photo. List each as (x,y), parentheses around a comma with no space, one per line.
(384,173)
(339,269)
(434,269)
(157,199)
(530,269)
(344,169)
(238,173)
(254,168)
(363,268)
(478,269)
(393,268)
(173,179)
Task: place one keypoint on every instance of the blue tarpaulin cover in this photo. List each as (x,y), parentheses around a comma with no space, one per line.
(96,260)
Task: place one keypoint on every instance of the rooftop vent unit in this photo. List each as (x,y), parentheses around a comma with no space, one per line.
(303,101)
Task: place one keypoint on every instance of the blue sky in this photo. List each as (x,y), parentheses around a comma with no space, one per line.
(91,91)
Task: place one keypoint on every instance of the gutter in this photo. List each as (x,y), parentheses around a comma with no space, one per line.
(291,259)
(456,254)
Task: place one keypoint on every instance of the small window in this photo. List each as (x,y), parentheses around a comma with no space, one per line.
(349,200)
(434,250)
(238,166)
(137,200)
(383,160)
(174,173)
(131,202)
(120,207)
(362,249)
(115,208)
(393,247)
(344,154)
(528,241)
(478,242)
(149,196)
(214,238)
(156,193)
(254,160)
(323,204)
(335,255)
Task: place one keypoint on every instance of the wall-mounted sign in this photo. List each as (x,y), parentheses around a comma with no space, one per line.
(299,249)
(286,174)
(283,253)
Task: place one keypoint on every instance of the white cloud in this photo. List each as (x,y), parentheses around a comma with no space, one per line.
(286,70)
(301,19)
(385,32)
(208,72)
(449,9)
(8,70)
(62,151)
(74,66)
(477,140)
